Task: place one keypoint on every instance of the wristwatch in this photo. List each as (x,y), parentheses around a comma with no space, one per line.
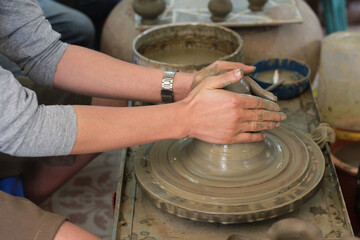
(167,95)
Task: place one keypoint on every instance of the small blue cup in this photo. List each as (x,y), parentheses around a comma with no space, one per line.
(287,89)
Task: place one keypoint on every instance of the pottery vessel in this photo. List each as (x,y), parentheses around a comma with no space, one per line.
(219,9)
(339,85)
(149,10)
(286,41)
(186,47)
(256,5)
(294,229)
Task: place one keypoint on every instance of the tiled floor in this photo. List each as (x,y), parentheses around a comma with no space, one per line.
(86,199)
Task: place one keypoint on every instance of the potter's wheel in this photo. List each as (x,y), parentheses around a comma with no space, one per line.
(231,183)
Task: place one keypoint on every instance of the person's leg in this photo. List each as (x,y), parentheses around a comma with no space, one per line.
(69,231)
(22,219)
(74,26)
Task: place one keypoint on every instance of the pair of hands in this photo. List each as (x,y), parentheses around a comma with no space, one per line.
(223,117)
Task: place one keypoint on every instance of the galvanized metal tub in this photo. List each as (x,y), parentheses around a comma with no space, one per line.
(187,37)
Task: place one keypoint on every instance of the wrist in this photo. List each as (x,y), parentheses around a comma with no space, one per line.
(182,84)
(180,113)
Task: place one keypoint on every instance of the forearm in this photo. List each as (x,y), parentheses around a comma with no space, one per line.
(92,73)
(105,128)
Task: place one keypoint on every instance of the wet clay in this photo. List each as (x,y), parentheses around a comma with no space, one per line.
(256,5)
(234,183)
(194,56)
(231,183)
(219,9)
(288,76)
(149,10)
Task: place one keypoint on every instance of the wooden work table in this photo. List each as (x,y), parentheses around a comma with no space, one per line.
(135,217)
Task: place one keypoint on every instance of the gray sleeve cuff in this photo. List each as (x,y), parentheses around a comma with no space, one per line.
(50,132)
(41,69)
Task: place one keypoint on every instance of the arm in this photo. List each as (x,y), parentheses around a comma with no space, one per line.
(27,129)
(208,113)
(95,74)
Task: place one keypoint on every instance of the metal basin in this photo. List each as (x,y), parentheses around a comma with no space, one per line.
(186,47)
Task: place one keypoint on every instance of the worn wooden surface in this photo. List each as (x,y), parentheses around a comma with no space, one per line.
(137,218)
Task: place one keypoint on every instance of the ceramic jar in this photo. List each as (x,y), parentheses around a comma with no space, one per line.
(149,10)
(256,5)
(294,229)
(219,9)
(339,85)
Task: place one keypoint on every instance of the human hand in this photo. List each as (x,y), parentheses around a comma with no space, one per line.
(220,67)
(217,68)
(223,117)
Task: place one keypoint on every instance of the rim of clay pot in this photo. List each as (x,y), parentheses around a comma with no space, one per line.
(343,163)
(137,54)
(347,168)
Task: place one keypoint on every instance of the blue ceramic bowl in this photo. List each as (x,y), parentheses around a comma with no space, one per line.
(287,89)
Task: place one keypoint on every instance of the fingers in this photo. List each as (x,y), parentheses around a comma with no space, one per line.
(261,115)
(259,91)
(217,68)
(227,66)
(257,126)
(253,102)
(224,80)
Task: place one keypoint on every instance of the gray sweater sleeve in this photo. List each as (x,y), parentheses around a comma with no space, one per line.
(26,128)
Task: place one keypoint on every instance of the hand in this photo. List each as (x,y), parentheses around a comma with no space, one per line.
(219,116)
(220,67)
(185,82)
(217,68)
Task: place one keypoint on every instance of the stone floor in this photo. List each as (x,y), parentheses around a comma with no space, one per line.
(86,199)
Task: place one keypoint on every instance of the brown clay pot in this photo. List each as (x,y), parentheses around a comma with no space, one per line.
(286,41)
(149,10)
(219,9)
(256,5)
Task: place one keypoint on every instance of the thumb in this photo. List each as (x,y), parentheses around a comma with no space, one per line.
(259,91)
(224,80)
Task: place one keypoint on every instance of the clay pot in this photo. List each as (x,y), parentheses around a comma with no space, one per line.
(294,229)
(256,5)
(286,41)
(344,155)
(219,9)
(338,93)
(149,10)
